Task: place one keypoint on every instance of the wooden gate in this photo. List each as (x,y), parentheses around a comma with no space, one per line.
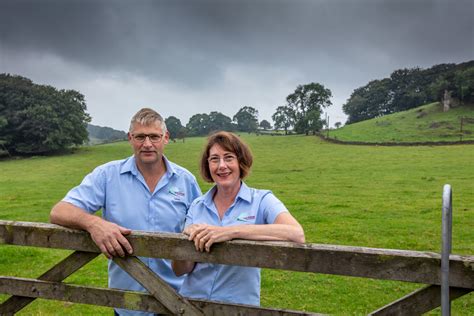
(384,264)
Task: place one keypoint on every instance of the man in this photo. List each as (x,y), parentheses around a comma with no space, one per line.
(143,192)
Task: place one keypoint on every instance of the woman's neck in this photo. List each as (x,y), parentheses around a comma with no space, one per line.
(224,197)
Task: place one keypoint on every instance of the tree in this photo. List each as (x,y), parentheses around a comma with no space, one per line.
(337,124)
(313,121)
(265,124)
(438,88)
(246,119)
(203,124)
(283,118)
(456,80)
(369,101)
(183,132)
(38,119)
(408,89)
(198,125)
(464,85)
(173,124)
(306,102)
(219,122)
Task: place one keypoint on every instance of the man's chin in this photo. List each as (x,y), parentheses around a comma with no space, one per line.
(148,154)
(148,158)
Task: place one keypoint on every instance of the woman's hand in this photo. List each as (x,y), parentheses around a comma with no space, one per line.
(284,228)
(205,235)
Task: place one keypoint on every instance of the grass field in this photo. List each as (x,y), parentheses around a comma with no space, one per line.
(367,196)
(426,123)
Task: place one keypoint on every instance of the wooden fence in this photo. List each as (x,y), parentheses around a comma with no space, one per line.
(384,264)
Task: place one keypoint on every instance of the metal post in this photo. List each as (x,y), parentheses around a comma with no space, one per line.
(327,127)
(446,250)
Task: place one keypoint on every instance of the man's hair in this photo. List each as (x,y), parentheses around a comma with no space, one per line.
(146,117)
(229,142)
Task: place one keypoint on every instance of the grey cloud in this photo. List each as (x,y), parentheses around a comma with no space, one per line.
(192,44)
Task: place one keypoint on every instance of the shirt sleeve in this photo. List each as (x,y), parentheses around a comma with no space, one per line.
(271,207)
(195,190)
(90,194)
(189,220)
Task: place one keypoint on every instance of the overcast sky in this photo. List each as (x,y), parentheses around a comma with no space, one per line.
(189,57)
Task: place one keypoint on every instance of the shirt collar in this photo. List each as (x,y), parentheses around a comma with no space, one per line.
(130,165)
(244,194)
(170,170)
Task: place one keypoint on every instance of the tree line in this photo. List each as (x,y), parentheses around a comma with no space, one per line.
(38,119)
(301,113)
(410,87)
(103,134)
(41,119)
(245,120)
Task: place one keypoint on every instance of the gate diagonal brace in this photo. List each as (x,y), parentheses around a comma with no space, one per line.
(57,273)
(162,291)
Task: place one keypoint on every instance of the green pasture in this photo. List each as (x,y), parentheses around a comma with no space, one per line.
(427,123)
(370,196)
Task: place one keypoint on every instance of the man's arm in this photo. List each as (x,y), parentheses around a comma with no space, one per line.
(181,267)
(109,237)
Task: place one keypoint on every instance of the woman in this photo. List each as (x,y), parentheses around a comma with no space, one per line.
(231,210)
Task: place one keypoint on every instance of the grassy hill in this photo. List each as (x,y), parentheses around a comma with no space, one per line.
(382,197)
(100,134)
(427,123)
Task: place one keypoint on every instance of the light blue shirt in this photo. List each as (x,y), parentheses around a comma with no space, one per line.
(119,189)
(218,282)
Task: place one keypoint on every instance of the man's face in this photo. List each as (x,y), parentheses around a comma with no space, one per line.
(148,142)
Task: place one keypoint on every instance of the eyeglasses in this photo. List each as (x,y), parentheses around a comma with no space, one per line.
(228,159)
(154,138)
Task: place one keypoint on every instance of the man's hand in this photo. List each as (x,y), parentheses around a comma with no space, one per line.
(205,235)
(109,237)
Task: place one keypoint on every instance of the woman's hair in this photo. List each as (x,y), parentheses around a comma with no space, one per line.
(229,142)
(146,117)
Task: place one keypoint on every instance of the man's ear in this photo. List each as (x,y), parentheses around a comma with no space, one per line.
(166,138)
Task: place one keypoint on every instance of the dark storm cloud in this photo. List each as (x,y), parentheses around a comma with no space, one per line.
(106,36)
(191,41)
(200,55)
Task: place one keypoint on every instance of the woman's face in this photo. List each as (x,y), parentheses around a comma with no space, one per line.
(224,167)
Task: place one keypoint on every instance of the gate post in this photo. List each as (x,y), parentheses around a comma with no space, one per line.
(446,249)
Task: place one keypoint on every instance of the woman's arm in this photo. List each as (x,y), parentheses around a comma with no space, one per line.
(285,228)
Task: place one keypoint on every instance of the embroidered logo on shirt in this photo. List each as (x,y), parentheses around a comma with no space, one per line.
(176,192)
(245,217)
